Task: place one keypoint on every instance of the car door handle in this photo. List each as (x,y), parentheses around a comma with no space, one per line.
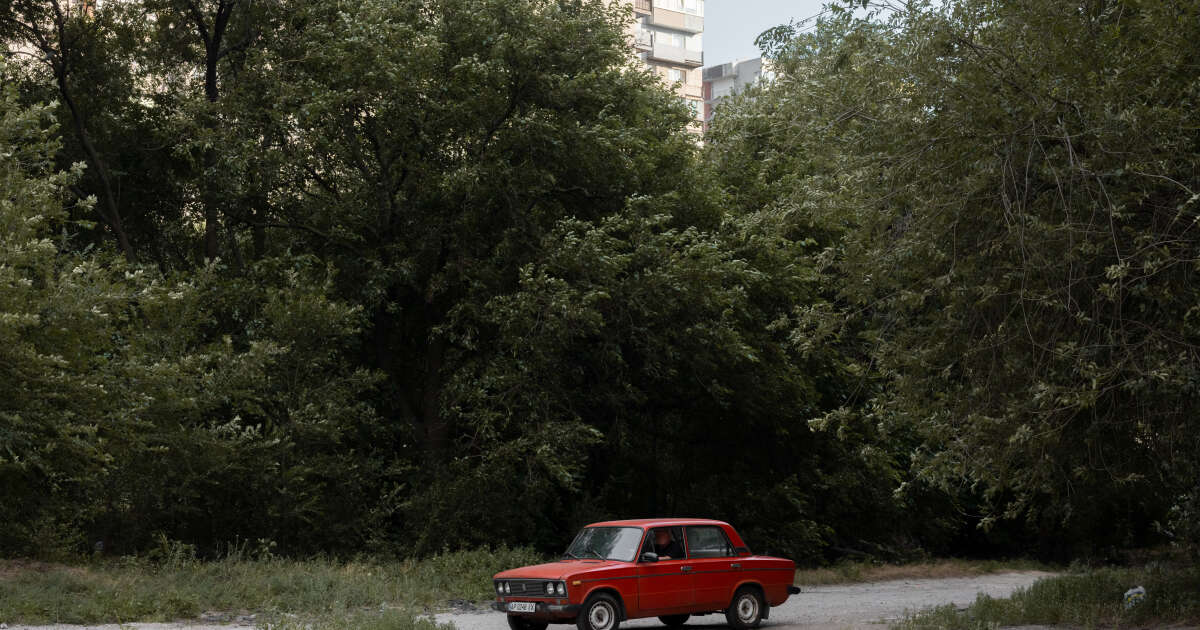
(735,565)
(685,568)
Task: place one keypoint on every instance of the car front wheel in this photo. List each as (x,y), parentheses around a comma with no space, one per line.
(746,609)
(517,622)
(599,612)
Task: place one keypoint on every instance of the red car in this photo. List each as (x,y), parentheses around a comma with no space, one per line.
(666,568)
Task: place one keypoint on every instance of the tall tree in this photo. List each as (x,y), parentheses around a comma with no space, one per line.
(1014,183)
(213,36)
(61,35)
(431,146)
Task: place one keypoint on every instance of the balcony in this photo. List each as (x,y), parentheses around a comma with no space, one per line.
(644,6)
(643,39)
(716,72)
(678,20)
(675,54)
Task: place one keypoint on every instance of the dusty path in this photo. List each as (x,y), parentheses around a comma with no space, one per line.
(845,606)
(870,606)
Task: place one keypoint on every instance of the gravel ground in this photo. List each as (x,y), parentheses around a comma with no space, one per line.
(839,607)
(843,606)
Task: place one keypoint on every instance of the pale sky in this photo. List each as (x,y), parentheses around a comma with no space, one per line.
(730,26)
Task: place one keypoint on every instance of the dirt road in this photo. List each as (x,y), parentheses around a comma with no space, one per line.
(847,606)
(869,606)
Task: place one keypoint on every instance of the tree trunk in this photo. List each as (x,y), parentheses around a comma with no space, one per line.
(109,211)
(437,430)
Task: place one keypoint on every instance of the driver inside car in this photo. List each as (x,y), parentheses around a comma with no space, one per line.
(666,546)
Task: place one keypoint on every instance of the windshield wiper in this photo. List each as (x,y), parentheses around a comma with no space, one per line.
(570,555)
(594,553)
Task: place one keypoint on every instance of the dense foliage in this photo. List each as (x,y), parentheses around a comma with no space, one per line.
(403,275)
(1009,193)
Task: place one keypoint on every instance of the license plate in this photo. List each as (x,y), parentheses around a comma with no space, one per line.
(522,607)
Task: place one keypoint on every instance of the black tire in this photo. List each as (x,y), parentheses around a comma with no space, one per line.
(599,612)
(517,622)
(746,609)
(674,621)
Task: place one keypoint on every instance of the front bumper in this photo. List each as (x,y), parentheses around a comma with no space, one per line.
(545,610)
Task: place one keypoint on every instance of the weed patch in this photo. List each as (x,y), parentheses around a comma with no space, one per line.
(1089,600)
(141,590)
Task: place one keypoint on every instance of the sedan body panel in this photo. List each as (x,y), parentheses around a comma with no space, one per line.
(716,566)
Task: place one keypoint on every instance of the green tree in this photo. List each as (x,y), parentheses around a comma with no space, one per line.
(427,149)
(58,314)
(1013,188)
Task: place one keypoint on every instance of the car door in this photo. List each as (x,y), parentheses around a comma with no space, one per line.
(665,586)
(715,566)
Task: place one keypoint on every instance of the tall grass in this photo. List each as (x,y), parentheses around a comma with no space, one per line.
(854,572)
(180,587)
(385,619)
(1092,599)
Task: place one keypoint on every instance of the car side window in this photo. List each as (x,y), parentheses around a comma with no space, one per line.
(648,546)
(708,542)
(667,542)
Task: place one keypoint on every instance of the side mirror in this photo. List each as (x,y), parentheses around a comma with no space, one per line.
(649,556)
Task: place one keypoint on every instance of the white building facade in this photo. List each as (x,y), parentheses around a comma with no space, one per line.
(668,36)
(727,79)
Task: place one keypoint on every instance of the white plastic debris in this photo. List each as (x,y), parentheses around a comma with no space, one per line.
(1134,596)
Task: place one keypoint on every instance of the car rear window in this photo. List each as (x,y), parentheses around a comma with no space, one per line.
(708,542)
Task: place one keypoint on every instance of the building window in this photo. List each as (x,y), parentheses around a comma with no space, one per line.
(695,42)
(696,106)
(672,38)
(675,75)
(695,7)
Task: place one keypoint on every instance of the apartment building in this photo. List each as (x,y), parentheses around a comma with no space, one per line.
(727,79)
(668,36)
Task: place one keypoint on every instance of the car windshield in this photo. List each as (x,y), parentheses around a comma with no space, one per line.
(606,543)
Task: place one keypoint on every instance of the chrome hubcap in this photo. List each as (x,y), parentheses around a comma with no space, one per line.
(747,608)
(600,616)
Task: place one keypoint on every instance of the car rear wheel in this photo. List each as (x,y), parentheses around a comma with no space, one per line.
(517,622)
(746,609)
(599,612)
(674,621)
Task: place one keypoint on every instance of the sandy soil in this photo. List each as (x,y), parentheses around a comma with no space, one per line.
(869,606)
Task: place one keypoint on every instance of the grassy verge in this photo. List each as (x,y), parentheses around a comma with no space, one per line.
(1092,599)
(138,590)
(354,620)
(853,572)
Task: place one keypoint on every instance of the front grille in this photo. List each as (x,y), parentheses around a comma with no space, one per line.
(528,588)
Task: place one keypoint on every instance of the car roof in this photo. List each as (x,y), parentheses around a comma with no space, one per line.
(658,522)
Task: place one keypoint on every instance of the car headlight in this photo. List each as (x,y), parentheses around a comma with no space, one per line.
(562,589)
(500,587)
(507,587)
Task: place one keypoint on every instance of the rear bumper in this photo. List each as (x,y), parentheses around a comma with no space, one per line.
(544,610)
